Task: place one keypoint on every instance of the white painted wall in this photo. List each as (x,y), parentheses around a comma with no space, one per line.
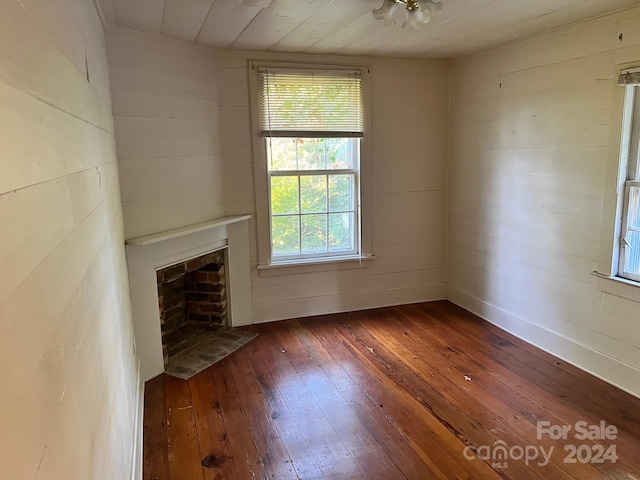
(184,150)
(533,134)
(165,107)
(69,386)
(407,189)
(530,145)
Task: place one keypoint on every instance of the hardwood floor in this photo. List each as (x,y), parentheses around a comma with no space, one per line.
(393,393)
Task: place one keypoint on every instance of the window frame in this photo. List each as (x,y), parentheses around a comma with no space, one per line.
(355,192)
(628,172)
(626,99)
(265,258)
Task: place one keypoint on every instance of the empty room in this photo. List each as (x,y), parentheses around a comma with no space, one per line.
(320,239)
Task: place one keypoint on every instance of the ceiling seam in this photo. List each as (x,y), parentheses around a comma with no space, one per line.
(195,40)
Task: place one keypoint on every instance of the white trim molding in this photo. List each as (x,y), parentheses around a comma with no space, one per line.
(138,423)
(620,287)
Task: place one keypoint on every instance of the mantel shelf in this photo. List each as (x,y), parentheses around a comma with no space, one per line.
(182,231)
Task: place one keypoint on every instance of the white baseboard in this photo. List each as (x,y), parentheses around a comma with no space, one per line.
(346,302)
(596,363)
(136,452)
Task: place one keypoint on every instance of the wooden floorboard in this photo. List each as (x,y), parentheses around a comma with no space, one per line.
(409,392)
(156,446)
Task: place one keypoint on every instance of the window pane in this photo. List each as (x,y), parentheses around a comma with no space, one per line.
(632,250)
(634,207)
(314,233)
(281,153)
(340,231)
(340,193)
(339,153)
(632,263)
(311,153)
(313,193)
(286,235)
(284,195)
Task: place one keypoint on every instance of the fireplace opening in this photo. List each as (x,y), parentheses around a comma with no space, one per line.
(192,298)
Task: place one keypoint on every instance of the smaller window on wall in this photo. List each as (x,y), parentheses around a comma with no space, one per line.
(308,129)
(629,179)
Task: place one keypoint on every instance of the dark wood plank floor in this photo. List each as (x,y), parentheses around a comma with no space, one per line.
(411,392)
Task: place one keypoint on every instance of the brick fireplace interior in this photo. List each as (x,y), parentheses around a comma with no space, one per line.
(192,297)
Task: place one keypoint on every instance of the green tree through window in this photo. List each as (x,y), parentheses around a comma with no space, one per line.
(312,192)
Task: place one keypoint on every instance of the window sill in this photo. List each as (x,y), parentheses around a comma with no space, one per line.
(312,265)
(620,287)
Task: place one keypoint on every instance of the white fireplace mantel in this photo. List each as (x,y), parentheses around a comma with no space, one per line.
(146,255)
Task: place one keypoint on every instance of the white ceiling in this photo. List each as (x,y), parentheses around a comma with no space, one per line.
(346,27)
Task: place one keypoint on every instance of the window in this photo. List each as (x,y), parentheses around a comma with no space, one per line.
(308,144)
(313,196)
(629,179)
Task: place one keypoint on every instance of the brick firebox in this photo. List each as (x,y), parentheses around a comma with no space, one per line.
(192,293)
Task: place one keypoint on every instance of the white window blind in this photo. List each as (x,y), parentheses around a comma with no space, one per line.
(310,103)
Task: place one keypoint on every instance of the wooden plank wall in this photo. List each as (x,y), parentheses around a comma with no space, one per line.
(407,182)
(69,387)
(165,107)
(532,138)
